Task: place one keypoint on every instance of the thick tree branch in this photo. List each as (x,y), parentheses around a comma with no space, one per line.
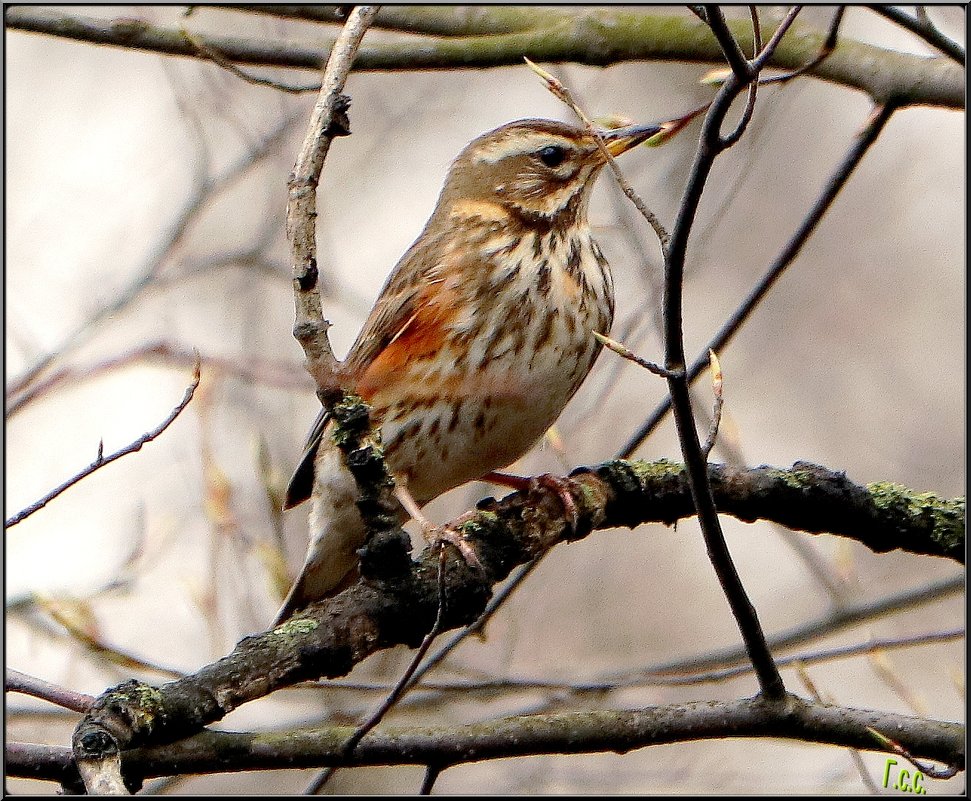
(597,37)
(522,735)
(434,20)
(398,604)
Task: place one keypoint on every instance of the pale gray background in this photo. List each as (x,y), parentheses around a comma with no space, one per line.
(856,361)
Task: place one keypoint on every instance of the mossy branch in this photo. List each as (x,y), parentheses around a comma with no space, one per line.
(397,600)
(597,37)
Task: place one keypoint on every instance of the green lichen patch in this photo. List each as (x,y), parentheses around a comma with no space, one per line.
(295,626)
(944,518)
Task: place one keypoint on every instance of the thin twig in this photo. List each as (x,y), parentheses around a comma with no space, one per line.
(824,626)
(479,625)
(667,678)
(270,372)
(327,120)
(861,144)
(626,353)
(101,460)
(404,683)
(560,91)
(16,682)
(829,45)
(733,53)
(753,87)
(924,28)
(770,47)
(220,60)
(865,777)
(948,772)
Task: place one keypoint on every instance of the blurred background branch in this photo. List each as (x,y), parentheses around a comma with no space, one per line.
(496,37)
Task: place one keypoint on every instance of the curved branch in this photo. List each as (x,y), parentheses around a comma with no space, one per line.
(597,37)
(522,735)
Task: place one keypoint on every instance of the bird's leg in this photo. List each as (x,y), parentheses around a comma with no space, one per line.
(561,486)
(433,534)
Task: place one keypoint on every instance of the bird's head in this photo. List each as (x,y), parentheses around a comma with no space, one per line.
(536,169)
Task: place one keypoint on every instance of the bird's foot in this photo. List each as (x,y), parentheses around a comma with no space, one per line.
(436,535)
(561,486)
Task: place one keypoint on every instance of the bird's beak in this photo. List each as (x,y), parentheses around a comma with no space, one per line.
(620,140)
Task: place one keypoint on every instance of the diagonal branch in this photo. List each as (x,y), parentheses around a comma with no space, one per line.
(101,460)
(922,27)
(854,155)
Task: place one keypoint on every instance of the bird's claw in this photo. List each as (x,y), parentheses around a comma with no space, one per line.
(561,486)
(436,535)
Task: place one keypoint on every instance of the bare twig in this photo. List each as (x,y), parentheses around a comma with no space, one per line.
(733,53)
(479,625)
(753,87)
(924,28)
(826,625)
(404,683)
(828,46)
(101,460)
(763,57)
(625,353)
(329,119)
(865,777)
(218,58)
(891,745)
(271,372)
(861,144)
(560,91)
(16,682)
(646,678)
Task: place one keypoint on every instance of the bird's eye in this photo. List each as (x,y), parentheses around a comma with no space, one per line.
(552,155)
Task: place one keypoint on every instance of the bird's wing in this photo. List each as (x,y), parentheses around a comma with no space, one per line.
(393,313)
(395,306)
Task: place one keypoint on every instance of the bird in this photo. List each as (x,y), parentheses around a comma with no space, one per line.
(479,338)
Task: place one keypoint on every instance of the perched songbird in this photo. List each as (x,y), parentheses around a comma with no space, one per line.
(479,338)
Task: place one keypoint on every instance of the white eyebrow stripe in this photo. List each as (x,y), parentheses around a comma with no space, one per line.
(492,152)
